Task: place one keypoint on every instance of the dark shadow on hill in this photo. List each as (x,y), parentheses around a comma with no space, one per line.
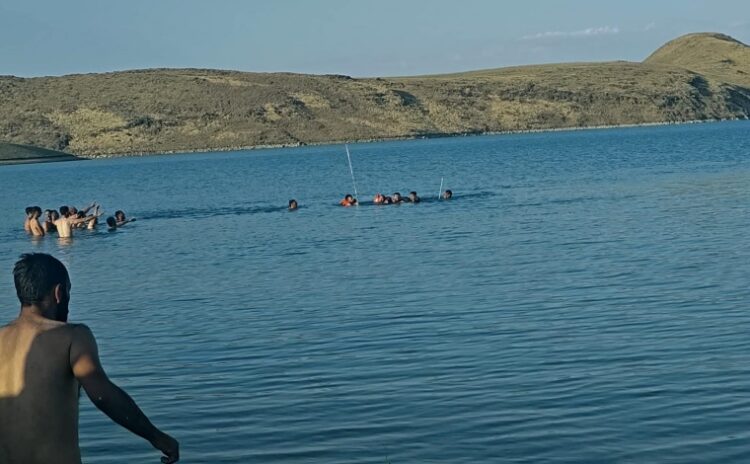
(11,153)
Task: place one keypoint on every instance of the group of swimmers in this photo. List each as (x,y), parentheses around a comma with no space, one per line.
(395,199)
(67,218)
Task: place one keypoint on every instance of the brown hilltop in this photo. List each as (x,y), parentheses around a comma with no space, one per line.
(714,55)
(695,77)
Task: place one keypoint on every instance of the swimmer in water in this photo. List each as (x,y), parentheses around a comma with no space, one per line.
(447,195)
(293,204)
(26,222)
(79,215)
(49,221)
(35,228)
(120,218)
(413,197)
(67,222)
(397,198)
(93,222)
(348,200)
(378,199)
(387,200)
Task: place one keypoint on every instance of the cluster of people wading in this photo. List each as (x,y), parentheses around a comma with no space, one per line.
(68,218)
(395,199)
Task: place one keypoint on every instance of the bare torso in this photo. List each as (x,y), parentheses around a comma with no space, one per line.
(36,228)
(64,227)
(38,393)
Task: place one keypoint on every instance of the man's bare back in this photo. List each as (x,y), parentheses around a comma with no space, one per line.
(38,393)
(44,362)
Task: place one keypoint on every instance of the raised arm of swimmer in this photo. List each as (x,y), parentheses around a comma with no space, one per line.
(110,399)
(88,208)
(84,219)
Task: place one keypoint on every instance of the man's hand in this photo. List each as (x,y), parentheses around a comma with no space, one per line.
(168,446)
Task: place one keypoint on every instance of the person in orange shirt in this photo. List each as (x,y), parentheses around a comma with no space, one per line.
(348,200)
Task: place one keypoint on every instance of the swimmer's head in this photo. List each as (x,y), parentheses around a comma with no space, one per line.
(29,210)
(111,223)
(80,215)
(293,204)
(119,215)
(447,195)
(397,197)
(73,210)
(54,215)
(64,211)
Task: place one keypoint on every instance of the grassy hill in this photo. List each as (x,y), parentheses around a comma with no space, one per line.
(18,154)
(714,55)
(695,77)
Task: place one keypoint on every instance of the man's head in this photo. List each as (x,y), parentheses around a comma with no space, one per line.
(292,204)
(37,212)
(119,215)
(447,195)
(348,197)
(64,211)
(29,210)
(73,210)
(80,215)
(397,197)
(413,196)
(112,222)
(43,281)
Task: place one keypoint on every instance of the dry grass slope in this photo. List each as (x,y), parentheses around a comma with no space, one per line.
(696,77)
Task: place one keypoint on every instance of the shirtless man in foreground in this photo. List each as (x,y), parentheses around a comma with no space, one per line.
(43,363)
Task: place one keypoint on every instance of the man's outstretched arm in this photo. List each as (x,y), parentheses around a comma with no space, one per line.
(111,399)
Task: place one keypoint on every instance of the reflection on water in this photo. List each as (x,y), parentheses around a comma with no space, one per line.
(582,298)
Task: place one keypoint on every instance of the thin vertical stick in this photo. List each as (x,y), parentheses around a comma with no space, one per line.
(440,193)
(351,171)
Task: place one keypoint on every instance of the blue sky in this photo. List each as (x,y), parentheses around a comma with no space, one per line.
(358,38)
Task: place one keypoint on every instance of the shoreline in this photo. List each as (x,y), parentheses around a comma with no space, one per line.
(410,137)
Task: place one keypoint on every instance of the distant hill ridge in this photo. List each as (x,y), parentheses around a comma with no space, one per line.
(694,77)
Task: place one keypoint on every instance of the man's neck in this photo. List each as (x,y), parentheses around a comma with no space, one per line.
(34,312)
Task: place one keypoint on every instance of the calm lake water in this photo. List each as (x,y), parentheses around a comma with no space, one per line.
(584,298)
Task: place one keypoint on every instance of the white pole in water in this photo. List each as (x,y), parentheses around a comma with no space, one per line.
(351,171)
(440,193)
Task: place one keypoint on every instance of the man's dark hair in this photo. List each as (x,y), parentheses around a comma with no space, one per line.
(64,211)
(29,210)
(119,213)
(292,201)
(111,222)
(36,275)
(80,215)
(38,209)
